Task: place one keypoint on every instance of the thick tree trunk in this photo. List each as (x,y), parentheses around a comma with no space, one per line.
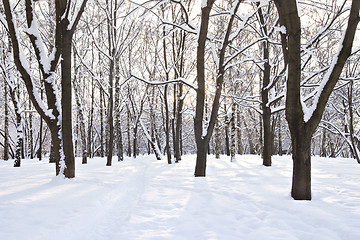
(66,105)
(200,168)
(267,140)
(302,127)
(201,143)
(301,181)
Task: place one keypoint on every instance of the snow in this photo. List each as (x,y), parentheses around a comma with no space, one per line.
(44,60)
(281,29)
(308,112)
(204,4)
(148,199)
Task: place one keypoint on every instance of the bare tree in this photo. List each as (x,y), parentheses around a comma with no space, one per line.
(302,120)
(58,119)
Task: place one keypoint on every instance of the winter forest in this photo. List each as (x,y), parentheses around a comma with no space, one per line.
(188,82)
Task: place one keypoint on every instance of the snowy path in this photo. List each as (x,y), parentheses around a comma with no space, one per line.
(148,199)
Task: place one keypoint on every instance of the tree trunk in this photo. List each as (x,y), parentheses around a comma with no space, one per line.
(110,142)
(233,133)
(239,135)
(301,180)
(167,130)
(302,127)
(6,124)
(119,142)
(66,104)
(217,140)
(135,140)
(128,133)
(202,138)
(323,143)
(200,168)
(19,126)
(267,140)
(102,123)
(80,114)
(91,115)
(39,152)
(227,141)
(354,148)
(280,137)
(14,97)
(31,135)
(201,143)
(177,150)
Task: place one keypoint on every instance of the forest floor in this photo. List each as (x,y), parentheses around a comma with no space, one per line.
(148,199)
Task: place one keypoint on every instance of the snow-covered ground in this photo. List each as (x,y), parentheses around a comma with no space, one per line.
(147,199)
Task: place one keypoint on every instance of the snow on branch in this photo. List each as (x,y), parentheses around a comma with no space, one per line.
(157,83)
(308,112)
(41,52)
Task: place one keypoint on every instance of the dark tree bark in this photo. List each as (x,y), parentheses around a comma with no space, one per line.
(240,148)
(167,127)
(102,106)
(128,133)
(217,140)
(227,139)
(202,139)
(66,101)
(266,111)
(167,130)
(61,129)
(280,137)
(233,133)
(119,141)
(31,135)
(39,152)
(302,129)
(111,111)
(6,123)
(354,142)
